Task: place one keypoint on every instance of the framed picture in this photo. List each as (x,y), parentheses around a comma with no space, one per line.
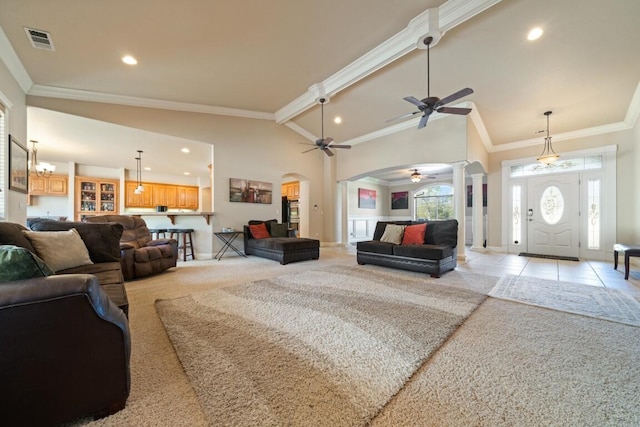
(366,198)
(18,166)
(400,200)
(247,191)
(470,195)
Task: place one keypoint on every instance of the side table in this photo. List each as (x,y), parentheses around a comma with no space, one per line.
(227,238)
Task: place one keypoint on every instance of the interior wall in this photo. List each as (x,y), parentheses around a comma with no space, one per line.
(476,151)
(259,150)
(16,203)
(627,180)
(442,141)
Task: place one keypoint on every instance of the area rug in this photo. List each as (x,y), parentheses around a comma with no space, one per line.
(322,347)
(561,258)
(592,301)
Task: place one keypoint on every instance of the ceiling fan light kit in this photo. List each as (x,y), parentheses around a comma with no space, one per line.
(548,155)
(415,176)
(323,143)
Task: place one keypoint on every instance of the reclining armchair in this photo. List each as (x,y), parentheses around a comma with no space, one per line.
(140,254)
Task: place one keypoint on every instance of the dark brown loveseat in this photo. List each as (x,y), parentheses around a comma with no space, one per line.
(64,344)
(103,243)
(140,254)
(436,255)
(278,247)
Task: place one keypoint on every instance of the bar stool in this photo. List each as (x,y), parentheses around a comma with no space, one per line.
(156,232)
(185,241)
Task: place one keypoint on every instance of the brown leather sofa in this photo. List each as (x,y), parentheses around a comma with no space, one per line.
(140,254)
(64,346)
(102,242)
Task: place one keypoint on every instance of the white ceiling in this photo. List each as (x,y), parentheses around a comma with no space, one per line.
(271,59)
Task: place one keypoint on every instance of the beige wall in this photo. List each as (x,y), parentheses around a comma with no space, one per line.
(243,148)
(628,143)
(16,203)
(442,141)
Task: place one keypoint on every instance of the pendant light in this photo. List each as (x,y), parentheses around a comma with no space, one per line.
(548,156)
(139,189)
(415,176)
(39,168)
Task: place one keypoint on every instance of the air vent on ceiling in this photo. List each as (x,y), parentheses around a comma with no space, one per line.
(40,39)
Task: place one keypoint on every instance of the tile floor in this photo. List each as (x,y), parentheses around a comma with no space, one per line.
(594,273)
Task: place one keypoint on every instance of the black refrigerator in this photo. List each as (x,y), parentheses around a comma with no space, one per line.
(291,213)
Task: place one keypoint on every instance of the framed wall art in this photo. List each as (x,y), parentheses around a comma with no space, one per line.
(18,166)
(366,198)
(249,191)
(400,200)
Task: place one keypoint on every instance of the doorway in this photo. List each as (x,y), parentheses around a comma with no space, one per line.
(553,215)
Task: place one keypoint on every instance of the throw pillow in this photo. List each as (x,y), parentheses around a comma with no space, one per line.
(17,263)
(414,234)
(259,231)
(393,234)
(279,230)
(60,249)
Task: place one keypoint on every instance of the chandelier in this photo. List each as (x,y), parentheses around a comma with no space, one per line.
(39,168)
(140,188)
(548,156)
(415,176)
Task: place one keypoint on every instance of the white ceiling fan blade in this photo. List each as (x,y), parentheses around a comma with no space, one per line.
(403,116)
(415,101)
(423,121)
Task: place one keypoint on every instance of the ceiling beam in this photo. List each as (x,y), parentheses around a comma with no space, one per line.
(450,15)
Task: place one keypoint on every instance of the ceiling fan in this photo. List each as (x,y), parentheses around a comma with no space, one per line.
(325,143)
(430,104)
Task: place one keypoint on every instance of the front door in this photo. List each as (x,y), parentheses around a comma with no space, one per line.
(553,220)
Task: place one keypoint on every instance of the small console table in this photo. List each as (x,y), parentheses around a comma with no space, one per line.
(227,238)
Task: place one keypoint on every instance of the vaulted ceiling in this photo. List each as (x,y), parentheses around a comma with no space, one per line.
(271,60)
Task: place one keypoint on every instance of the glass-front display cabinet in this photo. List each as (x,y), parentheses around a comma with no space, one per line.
(95,196)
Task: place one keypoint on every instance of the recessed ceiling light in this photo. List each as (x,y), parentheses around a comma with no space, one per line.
(187,173)
(185,150)
(337,120)
(129,60)
(147,168)
(535,34)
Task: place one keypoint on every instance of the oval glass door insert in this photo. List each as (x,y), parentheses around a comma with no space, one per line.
(551,205)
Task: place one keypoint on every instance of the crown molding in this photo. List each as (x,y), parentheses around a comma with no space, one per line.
(83,95)
(633,112)
(13,63)
(580,133)
(450,14)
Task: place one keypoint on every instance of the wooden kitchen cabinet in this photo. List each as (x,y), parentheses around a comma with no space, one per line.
(291,190)
(157,194)
(142,200)
(95,196)
(53,185)
(188,197)
(165,195)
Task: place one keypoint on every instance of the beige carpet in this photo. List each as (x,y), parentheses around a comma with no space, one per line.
(318,347)
(509,364)
(592,301)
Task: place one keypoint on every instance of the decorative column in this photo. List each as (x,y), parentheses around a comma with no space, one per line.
(478,217)
(459,194)
(343,213)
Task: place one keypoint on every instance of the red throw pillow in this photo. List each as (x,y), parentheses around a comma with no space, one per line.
(259,231)
(414,234)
